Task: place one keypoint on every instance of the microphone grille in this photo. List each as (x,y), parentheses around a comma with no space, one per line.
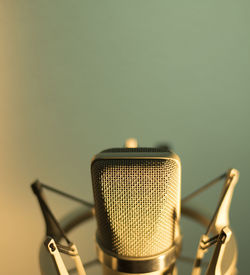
(136,204)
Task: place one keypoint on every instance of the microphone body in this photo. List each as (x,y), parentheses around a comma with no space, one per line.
(137,207)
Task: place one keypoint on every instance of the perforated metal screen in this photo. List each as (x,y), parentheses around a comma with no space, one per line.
(135,201)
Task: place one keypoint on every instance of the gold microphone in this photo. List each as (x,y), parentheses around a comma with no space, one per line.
(137,208)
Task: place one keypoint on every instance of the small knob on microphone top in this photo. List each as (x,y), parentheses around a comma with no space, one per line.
(131,143)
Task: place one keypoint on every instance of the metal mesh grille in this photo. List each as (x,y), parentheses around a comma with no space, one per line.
(135,203)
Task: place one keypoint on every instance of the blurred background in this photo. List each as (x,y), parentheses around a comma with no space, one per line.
(77,77)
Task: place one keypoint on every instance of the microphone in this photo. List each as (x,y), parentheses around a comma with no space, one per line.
(137,209)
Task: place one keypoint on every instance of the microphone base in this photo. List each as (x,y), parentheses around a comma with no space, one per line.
(171,271)
(160,264)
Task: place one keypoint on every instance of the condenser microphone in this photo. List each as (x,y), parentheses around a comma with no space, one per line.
(137,209)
